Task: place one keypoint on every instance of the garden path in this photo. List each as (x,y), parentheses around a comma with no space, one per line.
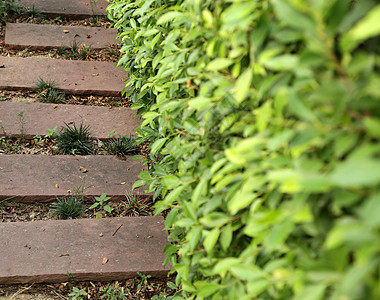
(86,249)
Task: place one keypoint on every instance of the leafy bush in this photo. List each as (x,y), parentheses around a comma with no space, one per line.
(75,140)
(264,123)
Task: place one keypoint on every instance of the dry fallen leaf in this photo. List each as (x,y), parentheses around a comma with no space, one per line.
(66,31)
(56,186)
(95,74)
(123,182)
(55,106)
(83,170)
(105,260)
(88,36)
(100,234)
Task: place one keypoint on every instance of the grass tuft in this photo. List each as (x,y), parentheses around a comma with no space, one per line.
(75,140)
(68,207)
(48,92)
(132,207)
(120,146)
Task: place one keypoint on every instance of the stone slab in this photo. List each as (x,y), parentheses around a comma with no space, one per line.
(36,36)
(39,117)
(46,251)
(71,76)
(67,8)
(41,178)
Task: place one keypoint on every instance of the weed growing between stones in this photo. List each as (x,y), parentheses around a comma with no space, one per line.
(75,140)
(77,293)
(68,207)
(75,51)
(22,124)
(8,8)
(120,146)
(112,293)
(132,207)
(34,13)
(101,205)
(84,52)
(48,92)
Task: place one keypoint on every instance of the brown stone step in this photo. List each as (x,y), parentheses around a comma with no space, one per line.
(73,77)
(36,36)
(82,249)
(39,117)
(67,8)
(40,178)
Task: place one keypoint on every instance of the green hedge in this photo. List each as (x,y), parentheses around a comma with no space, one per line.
(264,124)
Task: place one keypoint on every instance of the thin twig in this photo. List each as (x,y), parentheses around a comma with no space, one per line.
(117,229)
(20,292)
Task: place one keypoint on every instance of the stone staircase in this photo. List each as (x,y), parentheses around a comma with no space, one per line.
(87,249)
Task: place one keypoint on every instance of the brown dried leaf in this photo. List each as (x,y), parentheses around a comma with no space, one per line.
(105,260)
(83,170)
(66,31)
(95,74)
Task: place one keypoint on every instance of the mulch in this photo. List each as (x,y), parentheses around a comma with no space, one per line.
(135,288)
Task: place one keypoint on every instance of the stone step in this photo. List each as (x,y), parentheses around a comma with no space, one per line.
(67,8)
(82,249)
(41,178)
(39,117)
(71,76)
(36,36)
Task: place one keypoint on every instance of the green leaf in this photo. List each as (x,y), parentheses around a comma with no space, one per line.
(256,287)
(205,289)
(311,292)
(247,272)
(144,175)
(370,211)
(292,16)
(200,103)
(224,265)
(169,16)
(211,239)
(170,181)
(107,208)
(200,190)
(191,126)
(285,62)
(157,145)
(242,85)
(94,205)
(226,237)
(218,64)
(137,184)
(173,195)
(366,28)
(356,172)
(240,200)
(278,234)
(263,115)
(372,126)
(170,218)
